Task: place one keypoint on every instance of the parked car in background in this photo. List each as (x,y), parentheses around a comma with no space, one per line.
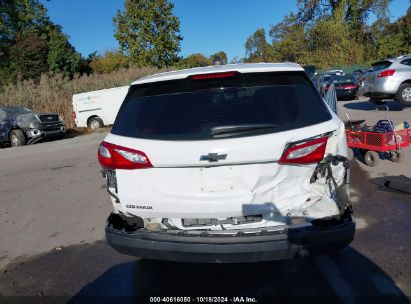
(389,78)
(315,79)
(228,163)
(98,108)
(20,126)
(346,87)
(323,81)
(311,70)
(335,72)
(359,75)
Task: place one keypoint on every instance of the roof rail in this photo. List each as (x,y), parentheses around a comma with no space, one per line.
(402,56)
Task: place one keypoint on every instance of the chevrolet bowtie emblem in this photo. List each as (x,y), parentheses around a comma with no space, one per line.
(213,157)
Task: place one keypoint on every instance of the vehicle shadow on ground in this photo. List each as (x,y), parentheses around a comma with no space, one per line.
(393,106)
(349,277)
(396,184)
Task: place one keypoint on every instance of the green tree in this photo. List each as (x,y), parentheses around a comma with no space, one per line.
(221,54)
(256,46)
(193,61)
(18,17)
(109,62)
(355,12)
(288,41)
(29,55)
(62,57)
(371,35)
(24,27)
(394,39)
(85,63)
(330,43)
(148,32)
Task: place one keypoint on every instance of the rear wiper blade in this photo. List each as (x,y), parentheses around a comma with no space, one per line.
(241,128)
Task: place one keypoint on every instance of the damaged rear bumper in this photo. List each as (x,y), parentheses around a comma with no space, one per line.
(230,247)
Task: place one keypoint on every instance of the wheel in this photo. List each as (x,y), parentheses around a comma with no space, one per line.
(95,123)
(17,138)
(396,156)
(350,154)
(404,94)
(371,158)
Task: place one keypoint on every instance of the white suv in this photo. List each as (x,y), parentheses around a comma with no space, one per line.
(390,78)
(233,163)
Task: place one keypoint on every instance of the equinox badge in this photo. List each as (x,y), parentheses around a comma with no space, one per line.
(213,157)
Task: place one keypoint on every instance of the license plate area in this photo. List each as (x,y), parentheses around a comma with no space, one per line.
(217,179)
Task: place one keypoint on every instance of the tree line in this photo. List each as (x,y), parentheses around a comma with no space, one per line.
(31,44)
(325,33)
(332,33)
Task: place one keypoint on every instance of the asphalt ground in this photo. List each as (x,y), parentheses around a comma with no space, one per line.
(52,248)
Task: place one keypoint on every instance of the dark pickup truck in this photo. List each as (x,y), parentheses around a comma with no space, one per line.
(20,126)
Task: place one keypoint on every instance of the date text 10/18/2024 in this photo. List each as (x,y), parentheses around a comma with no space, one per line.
(203,300)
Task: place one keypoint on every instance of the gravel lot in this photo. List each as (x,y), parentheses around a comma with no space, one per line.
(51,195)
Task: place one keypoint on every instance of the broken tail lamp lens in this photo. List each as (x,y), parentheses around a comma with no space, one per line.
(213,76)
(308,152)
(112,156)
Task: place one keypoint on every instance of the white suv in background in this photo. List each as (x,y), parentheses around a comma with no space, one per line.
(232,163)
(390,78)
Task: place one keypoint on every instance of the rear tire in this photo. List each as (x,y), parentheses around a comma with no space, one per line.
(404,94)
(371,158)
(396,156)
(95,123)
(17,138)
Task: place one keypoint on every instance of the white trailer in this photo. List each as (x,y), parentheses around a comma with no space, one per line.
(98,108)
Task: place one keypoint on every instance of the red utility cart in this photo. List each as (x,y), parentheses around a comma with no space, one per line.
(373,143)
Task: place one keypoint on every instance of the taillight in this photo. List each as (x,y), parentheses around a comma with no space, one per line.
(117,157)
(73,114)
(305,152)
(213,76)
(386,73)
(350,86)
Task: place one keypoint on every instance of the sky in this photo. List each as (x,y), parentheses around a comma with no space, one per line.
(207,26)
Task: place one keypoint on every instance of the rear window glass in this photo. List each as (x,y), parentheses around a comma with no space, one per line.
(406,61)
(243,105)
(10,111)
(380,65)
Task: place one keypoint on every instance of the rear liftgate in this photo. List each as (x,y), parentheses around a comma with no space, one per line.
(322,183)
